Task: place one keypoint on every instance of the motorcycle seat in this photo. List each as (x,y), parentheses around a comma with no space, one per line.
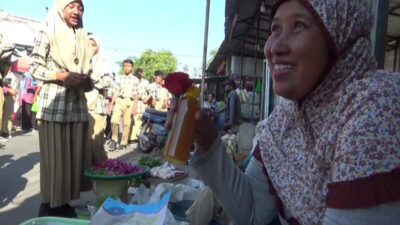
(156,112)
(155,118)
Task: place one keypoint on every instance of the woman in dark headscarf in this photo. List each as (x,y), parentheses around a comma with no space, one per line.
(61,64)
(330,153)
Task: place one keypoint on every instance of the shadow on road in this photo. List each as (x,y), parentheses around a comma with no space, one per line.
(21,133)
(26,210)
(11,173)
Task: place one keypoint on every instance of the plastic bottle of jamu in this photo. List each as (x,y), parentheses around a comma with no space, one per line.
(180,137)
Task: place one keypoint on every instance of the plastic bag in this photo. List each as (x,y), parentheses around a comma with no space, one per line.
(34,107)
(116,212)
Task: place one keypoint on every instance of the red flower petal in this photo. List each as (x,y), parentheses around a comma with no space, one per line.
(177,83)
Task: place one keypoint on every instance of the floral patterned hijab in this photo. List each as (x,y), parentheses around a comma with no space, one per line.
(325,152)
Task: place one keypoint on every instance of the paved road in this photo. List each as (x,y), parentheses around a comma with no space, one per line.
(19,178)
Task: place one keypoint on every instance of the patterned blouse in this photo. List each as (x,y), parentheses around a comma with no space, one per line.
(56,103)
(339,148)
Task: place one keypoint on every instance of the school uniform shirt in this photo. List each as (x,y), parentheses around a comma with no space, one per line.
(158,92)
(54,99)
(127,86)
(143,89)
(98,98)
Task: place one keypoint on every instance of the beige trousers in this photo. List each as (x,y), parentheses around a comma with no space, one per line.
(137,123)
(8,110)
(64,156)
(1,110)
(97,125)
(159,105)
(122,109)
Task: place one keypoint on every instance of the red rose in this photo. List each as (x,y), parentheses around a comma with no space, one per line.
(177,83)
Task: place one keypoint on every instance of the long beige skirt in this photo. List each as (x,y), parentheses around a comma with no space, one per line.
(64,155)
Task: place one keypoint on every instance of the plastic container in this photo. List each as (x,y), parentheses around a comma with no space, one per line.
(55,221)
(112,186)
(180,138)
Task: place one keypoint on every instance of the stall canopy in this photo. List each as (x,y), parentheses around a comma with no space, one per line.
(247,29)
(20,31)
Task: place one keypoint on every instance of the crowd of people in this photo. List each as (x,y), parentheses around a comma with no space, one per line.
(74,101)
(20,91)
(131,96)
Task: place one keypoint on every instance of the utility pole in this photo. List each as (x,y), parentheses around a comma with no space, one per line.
(203,77)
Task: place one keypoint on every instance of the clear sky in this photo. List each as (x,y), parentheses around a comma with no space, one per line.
(128,27)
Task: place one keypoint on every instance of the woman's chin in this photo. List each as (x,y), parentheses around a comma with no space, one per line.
(284,92)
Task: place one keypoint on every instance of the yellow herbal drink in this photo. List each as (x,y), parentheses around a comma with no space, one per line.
(180,138)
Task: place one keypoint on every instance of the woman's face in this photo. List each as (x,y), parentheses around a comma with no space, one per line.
(296,50)
(73,13)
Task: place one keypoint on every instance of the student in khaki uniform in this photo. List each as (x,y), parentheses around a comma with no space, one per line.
(160,95)
(10,91)
(97,100)
(126,98)
(142,104)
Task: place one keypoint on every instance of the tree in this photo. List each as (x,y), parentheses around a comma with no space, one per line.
(185,68)
(150,61)
(195,72)
(211,56)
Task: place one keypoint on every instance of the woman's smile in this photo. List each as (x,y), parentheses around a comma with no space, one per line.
(282,69)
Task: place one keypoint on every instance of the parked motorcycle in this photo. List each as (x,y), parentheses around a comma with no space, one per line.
(153,134)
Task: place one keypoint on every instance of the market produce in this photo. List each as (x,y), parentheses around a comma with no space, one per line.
(115,167)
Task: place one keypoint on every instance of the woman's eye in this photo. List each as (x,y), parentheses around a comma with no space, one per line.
(299,24)
(275,28)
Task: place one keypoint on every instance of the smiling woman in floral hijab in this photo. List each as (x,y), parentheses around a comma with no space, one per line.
(61,64)
(330,154)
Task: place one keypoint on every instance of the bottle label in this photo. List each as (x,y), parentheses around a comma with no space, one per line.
(177,125)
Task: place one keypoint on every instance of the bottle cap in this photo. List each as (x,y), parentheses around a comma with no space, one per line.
(193,92)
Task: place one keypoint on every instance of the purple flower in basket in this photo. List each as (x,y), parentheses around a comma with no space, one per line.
(115,167)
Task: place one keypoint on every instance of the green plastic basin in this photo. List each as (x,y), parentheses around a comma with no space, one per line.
(55,221)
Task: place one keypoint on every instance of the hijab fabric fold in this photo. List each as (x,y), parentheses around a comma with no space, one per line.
(100,67)
(99,62)
(69,47)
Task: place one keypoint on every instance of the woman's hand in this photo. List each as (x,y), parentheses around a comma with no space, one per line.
(79,81)
(205,131)
(61,76)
